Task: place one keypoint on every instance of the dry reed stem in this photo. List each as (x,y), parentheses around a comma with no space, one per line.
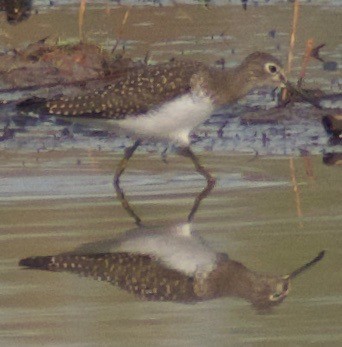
(120,31)
(94,163)
(293,35)
(107,10)
(309,167)
(296,191)
(292,41)
(81,19)
(306,59)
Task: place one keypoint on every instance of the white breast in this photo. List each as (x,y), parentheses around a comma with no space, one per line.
(177,247)
(173,121)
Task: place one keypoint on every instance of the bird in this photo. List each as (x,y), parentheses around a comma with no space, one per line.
(170,263)
(165,102)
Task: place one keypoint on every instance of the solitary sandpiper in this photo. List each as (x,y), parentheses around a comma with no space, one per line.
(170,264)
(165,102)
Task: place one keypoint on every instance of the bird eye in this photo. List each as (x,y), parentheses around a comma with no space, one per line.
(275,296)
(281,291)
(272,68)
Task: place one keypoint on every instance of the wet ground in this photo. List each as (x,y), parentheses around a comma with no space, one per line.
(56,191)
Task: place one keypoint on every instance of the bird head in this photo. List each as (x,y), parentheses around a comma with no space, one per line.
(272,290)
(263,69)
(269,291)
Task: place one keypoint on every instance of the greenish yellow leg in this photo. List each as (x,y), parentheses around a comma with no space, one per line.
(119,192)
(187,152)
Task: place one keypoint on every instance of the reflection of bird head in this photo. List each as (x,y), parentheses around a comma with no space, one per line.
(231,278)
(270,291)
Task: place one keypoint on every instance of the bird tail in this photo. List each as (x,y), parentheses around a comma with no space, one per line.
(83,264)
(42,263)
(86,105)
(33,104)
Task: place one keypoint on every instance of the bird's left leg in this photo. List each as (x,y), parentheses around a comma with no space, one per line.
(119,171)
(164,155)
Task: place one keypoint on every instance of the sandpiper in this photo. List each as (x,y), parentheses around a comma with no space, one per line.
(170,264)
(165,102)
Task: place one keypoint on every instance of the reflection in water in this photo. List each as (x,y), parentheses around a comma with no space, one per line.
(170,264)
(187,152)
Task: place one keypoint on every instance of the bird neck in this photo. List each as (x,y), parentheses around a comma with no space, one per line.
(229,85)
(232,278)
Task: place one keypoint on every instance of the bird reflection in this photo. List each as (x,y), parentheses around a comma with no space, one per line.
(196,204)
(170,264)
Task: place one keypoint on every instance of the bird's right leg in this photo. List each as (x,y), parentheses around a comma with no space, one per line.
(164,155)
(187,152)
(118,172)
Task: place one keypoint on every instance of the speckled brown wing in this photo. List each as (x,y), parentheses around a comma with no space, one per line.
(135,273)
(135,93)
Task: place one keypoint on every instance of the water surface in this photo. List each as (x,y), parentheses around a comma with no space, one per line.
(56,193)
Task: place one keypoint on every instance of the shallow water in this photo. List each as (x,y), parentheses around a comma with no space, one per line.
(56,194)
(251,215)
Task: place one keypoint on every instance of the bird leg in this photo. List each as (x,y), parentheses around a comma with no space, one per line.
(118,172)
(187,152)
(164,155)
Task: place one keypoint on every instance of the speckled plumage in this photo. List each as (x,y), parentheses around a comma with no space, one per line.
(135,93)
(172,263)
(146,88)
(147,278)
(135,273)
(165,103)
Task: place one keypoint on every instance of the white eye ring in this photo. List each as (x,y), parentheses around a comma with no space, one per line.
(272,68)
(274,297)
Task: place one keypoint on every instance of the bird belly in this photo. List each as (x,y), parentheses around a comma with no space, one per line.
(173,121)
(176,248)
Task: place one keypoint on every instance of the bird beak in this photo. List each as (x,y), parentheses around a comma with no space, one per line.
(286,286)
(282,79)
(287,278)
(305,267)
